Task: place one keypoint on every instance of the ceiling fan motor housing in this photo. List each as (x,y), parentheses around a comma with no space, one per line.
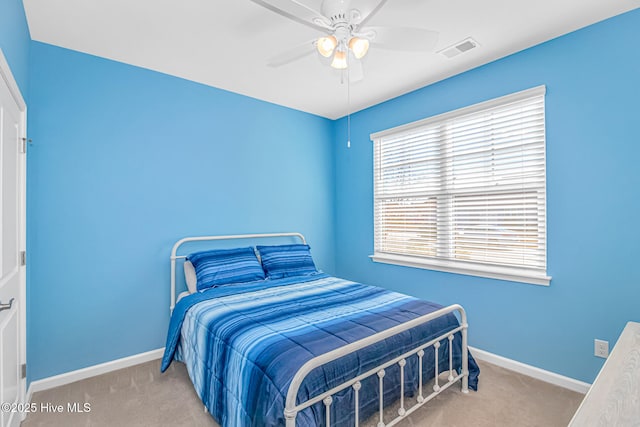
(342,18)
(335,10)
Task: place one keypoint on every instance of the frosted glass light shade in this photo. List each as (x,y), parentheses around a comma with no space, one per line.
(359,47)
(339,60)
(326,45)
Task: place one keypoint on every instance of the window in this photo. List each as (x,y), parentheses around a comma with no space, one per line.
(465,191)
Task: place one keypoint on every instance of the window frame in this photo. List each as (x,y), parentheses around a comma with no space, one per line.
(495,271)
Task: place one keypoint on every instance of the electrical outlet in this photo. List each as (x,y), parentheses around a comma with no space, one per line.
(601,348)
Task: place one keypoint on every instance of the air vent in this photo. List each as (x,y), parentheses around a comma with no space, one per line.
(460,47)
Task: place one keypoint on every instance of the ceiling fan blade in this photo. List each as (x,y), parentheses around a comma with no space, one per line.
(298,12)
(404,39)
(292,54)
(367,10)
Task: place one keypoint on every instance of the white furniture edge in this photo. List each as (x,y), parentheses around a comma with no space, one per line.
(92,371)
(613,398)
(530,371)
(180,242)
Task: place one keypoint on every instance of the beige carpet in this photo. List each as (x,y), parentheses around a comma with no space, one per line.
(141,396)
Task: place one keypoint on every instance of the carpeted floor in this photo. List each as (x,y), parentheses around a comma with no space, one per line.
(141,396)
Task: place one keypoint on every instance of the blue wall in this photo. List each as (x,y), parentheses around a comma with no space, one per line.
(15,41)
(125,162)
(592,115)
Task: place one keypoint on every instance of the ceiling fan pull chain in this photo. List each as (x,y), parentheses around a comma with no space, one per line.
(348,102)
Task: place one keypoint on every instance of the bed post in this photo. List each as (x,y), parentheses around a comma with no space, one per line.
(173,284)
(465,351)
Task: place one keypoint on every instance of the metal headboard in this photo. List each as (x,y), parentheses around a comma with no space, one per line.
(180,242)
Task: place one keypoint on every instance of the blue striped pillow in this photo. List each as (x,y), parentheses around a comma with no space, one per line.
(225,266)
(286,260)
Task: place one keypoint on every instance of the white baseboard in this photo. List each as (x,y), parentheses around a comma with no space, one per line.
(531,371)
(92,371)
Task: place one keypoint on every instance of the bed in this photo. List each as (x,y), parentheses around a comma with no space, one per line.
(301,348)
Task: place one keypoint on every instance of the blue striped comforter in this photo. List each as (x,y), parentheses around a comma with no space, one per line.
(243,343)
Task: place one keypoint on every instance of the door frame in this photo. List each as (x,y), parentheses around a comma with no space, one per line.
(7,76)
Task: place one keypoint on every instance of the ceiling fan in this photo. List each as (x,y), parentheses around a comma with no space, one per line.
(346,36)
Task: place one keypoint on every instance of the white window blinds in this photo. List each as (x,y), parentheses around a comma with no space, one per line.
(465,191)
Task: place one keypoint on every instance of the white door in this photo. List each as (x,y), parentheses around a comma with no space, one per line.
(12,296)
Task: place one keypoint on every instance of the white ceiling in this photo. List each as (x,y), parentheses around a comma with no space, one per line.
(226,43)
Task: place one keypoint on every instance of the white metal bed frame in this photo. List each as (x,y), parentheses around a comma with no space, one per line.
(292,408)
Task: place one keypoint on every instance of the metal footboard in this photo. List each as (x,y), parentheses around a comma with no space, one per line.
(292,408)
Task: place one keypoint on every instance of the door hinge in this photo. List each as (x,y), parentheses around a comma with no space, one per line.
(23,370)
(23,144)
(23,258)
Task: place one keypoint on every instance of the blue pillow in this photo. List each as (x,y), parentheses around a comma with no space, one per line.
(225,266)
(286,261)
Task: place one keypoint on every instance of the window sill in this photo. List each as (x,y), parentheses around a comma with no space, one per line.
(471,269)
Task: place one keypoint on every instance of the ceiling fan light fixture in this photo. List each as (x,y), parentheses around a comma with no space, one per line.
(359,47)
(339,60)
(326,45)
